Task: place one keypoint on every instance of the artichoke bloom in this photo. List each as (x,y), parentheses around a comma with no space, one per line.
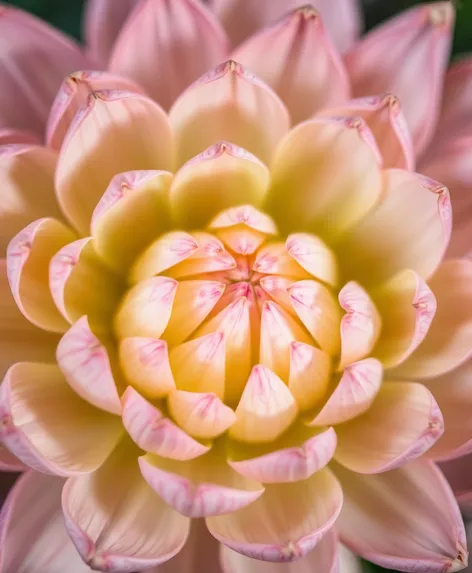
(235,313)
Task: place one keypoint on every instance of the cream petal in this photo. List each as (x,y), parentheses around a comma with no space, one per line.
(403,519)
(403,422)
(407,56)
(228,104)
(221,177)
(28,258)
(309,192)
(277,527)
(448,343)
(165,46)
(115,131)
(275,259)
(354,393)
(201,487)
(245,215)
(409,228)
(49,427)
(120,525)
(310,374)
(314,256)
(302,66)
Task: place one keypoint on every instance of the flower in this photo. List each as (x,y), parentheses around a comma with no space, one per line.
(235,315)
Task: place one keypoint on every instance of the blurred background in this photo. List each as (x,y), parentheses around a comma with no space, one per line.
(67,15)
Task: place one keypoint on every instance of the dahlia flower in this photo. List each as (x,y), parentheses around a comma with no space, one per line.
(234,334)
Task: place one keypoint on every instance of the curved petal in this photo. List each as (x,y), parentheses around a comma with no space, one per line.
(277,527)
(223,176)
(409,228)
(403,519)
(9,136)
(448,343)
(104,20)
(458,472)
(403,422)
(116,521)
(407,56)
(31,518)
(309,191)
(228,104)
(114,132)
(28,257)
(34,58)
(72,96)
(10,463)
(242,18)
(302,65)
(165,46)
(49,427)
(86,365)
(309,374)
(27,175)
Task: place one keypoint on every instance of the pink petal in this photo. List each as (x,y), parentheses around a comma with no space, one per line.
(104,20)
(9,136)
(52,439)
(448,343)
(165,46)
(407,56)
(314,256)
(72,96)
(302,66)
(405,519)
(114,132)
(231,104)
(32,532)
(116,521)
(85,362)
(277,527)
(34,58)
(458,472)
(9,462)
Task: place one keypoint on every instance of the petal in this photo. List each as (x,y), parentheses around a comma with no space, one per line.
(277,527)
(302,66)
(165,46)
(49,427)
(9,136)
(121,524)
(8,462)
(407,56)
(31,518)
(403,519)
(448,343)
(354,393)
(154,433)
(458,472)
(27,174)
(28,257)
(409,228)
(403,422)
(34,58)
(310,192)
(103,21)
(201,487)
(221,177)
(85,362)
(114,132)
(314,256)
(384,116)
(323,559)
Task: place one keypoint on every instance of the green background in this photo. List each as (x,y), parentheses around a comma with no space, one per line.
(67,15)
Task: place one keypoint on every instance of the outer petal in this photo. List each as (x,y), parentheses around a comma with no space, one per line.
(228,103)
(8,136)
(448,343)
(49,427)
(34,58)
(104,20)
(114,132)
(242,18)
(458,473)
(310,192)
(223,176)
(403,422)
(165,46)
(116,521)
(32,532)
(302,66)
(277,527)
(8,462)
(405,519)
(409,228)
